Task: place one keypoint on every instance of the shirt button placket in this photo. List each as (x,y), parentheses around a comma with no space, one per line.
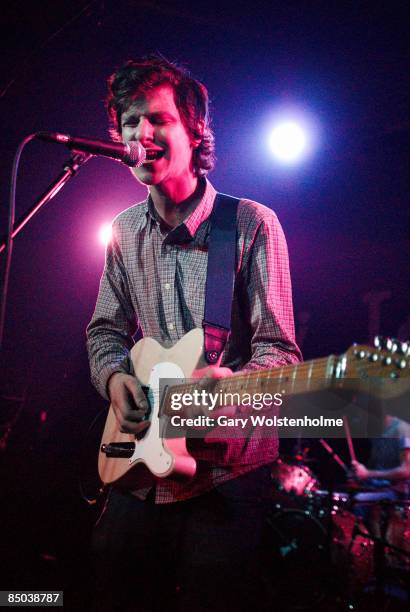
(170,271)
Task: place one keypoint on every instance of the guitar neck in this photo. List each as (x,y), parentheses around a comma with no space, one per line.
(308,376)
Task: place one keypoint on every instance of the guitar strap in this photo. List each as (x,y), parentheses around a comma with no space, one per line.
(220,276)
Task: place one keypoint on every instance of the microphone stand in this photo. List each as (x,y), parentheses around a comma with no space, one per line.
(70,169)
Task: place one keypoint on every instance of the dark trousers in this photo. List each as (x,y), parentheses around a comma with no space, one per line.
(202,554)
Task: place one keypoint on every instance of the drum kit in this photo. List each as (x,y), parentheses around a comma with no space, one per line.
(326,537)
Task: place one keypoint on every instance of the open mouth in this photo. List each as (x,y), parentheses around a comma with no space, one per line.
(153,154)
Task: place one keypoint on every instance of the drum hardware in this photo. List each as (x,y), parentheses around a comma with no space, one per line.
(366,560)
(390,527)
(353,486)
(338,500)
(293,479)
(352,549)
(298,545)
(353,562)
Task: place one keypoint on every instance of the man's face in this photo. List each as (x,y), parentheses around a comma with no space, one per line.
(155,121)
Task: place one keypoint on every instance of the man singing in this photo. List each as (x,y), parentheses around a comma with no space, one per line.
(196,544)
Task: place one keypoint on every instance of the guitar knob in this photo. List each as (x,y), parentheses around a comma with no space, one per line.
(387,360)
(401,364)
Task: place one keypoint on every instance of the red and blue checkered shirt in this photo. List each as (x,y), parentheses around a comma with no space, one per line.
(154,281)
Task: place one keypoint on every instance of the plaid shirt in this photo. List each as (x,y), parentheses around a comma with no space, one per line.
(154,279)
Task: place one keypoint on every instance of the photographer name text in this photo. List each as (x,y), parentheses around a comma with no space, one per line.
(254,420)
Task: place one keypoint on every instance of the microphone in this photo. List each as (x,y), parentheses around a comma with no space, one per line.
(133,153)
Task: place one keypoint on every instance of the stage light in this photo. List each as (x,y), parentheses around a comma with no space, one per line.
(105,233)
(288,141)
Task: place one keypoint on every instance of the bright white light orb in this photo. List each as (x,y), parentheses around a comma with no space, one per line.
(288,142)
(105,234)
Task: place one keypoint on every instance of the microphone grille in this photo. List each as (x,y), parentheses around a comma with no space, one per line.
(136,154)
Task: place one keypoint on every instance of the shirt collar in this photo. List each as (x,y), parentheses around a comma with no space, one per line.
(198,216)
(202,211)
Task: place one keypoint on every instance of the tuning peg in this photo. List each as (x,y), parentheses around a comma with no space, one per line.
(404,348)
(390,344)
(378,342)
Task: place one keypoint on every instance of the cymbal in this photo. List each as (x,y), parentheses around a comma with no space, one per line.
(392,502)
(356,487)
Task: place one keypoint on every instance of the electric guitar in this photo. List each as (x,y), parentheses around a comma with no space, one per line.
(383,368)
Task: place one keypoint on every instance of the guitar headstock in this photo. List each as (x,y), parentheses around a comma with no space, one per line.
(388,358)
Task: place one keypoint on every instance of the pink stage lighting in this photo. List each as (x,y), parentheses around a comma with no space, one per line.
(105,233)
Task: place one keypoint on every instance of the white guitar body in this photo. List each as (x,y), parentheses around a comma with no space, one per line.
(162,456)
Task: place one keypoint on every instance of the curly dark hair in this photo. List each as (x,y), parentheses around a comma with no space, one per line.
(138,76)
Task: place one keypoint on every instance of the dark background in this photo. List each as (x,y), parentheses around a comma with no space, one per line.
(345,210)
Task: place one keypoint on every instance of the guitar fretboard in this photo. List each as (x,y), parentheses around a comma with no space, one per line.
(308,376)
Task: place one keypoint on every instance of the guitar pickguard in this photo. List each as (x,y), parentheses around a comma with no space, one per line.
(151,449)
